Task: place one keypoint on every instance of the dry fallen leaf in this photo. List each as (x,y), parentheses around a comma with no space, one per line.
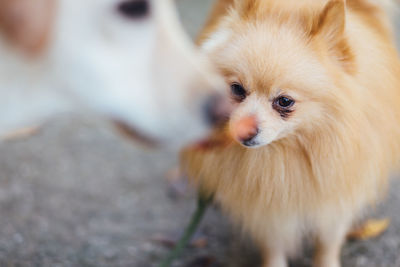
(167,241)
(200,242)
(203,261)
(369,229)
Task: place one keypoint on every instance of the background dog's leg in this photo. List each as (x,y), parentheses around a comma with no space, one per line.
(21,133)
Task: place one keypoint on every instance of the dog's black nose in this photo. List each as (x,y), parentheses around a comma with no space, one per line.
(217,109)
(251,139)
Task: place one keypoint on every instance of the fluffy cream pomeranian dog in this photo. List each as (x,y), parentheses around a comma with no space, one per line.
(316,130)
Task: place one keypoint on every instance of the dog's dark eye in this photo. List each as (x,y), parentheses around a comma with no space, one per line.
(134,9)
(284,102)
(238,92)
(283,106)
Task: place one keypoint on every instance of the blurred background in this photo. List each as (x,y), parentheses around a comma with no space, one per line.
(77,194)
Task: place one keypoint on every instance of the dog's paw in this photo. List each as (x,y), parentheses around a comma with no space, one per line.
(22,133)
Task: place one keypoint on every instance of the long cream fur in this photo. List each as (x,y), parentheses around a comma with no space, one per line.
(342,142)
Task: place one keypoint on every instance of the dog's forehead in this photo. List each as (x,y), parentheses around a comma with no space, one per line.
(264,55)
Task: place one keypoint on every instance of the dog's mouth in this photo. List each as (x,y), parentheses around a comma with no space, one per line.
(135,135)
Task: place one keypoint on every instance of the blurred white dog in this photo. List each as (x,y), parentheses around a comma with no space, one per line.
(128,60)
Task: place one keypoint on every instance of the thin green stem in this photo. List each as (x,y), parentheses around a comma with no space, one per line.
(202,204)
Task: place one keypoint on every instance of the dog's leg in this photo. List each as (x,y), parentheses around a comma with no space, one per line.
(21,133)
(329,240)
(275,257)
(279,241)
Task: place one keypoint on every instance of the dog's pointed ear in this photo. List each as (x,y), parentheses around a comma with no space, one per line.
(26,24)
(243,7)
(329,27)
(330,24)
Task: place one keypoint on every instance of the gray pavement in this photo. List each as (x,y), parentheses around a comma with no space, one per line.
(77,194)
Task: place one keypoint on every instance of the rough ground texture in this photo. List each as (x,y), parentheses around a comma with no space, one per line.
(76,194)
